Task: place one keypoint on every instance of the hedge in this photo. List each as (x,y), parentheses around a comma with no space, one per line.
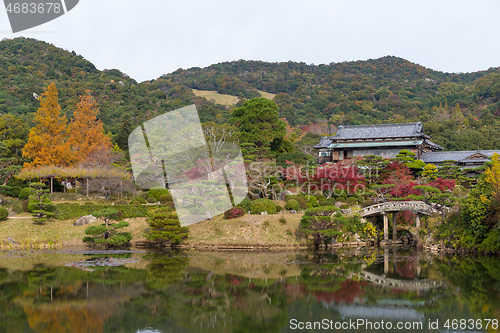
(4,213)
(66,212)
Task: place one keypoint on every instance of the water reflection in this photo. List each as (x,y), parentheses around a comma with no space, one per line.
(241,292)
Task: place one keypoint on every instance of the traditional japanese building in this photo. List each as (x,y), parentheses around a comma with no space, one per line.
(385,140)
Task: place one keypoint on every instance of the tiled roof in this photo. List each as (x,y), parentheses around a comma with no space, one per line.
(323,143)
(379,131)
(437,157)
(433,145)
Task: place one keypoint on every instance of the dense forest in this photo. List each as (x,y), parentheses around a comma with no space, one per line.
(459,111)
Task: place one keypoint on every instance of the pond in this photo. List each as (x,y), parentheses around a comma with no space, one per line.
(358,290)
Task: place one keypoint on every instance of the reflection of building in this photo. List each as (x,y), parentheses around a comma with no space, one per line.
(384,140)
(377,312)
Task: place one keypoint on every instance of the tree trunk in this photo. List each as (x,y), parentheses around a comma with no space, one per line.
(51,185)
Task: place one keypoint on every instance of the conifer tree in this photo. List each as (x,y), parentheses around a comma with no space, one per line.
(86,130)
(47,142)
(165,226)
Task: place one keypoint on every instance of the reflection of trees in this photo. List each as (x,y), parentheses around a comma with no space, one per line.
(325,271)
(476,281)
(165,269)
(12,316)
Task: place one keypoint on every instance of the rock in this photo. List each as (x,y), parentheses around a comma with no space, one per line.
(87,219)
(356,237)
(11,241)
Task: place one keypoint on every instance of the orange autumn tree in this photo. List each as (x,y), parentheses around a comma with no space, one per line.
(87,138)
(48,140)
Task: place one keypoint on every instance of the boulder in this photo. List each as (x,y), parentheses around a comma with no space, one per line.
(87,219)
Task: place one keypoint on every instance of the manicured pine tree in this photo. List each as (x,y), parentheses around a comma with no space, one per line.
(165,226)
(42,206)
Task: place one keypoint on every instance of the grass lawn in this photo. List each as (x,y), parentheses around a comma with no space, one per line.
(245,230)
(218,98)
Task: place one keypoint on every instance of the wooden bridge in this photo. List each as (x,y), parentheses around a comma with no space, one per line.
(393,207)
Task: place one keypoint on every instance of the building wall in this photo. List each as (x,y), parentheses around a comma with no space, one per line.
(385,153)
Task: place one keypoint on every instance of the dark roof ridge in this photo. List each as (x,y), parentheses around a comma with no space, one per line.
(380,125)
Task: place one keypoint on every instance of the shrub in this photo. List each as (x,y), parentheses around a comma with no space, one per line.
(302,202)
(151,199)
(308,206)
(26,192)
(320,197)
(24,205)
(324,203)
(4,213)
(282,220)
(121,202)
(157,192)
(138,201)
(164,198)
(278,208)
(17,206)
(344,206)
(263,205)
(351,201)
(245,204)
(311,199)
(367,203)
(292,204)
(234,212)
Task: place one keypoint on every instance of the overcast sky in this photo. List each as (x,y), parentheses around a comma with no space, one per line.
(148,38)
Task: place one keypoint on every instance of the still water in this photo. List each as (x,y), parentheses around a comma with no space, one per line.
(354,290)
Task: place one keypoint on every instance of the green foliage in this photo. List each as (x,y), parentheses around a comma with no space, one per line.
(292,204)
(72,211)
(300,199)
(107,236)
(138,201)
(263,205)
(297,158)
(351,201)
(25,193)
(245,204)
(311,199)
(165,226)
(258,122)
(40,206)
(164,198)
(4,213)
(157,192)
(282,220)
(151,199)
(278,208)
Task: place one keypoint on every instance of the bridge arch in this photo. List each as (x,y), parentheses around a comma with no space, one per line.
(393,207)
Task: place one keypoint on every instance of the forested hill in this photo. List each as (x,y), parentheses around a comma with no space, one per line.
(365,91)
(383,90)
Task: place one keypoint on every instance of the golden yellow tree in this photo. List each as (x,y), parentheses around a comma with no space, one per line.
(493,174)
(87,138)
(47,142)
